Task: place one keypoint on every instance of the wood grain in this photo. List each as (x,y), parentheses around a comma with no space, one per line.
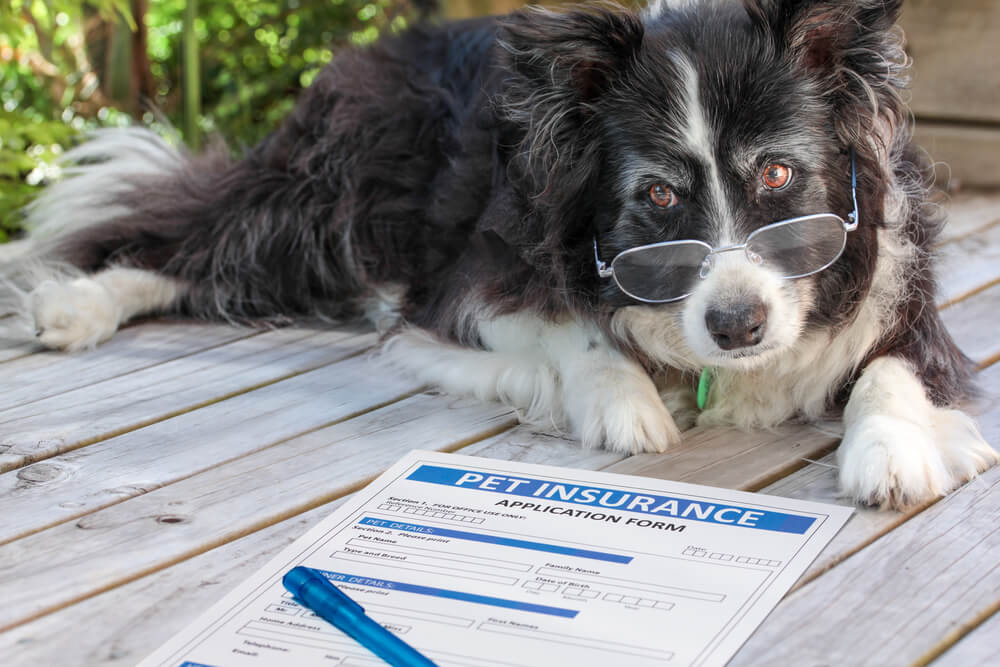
(134,619)
(732,458)
(528,444)
(11,350)
(968,264)
(134,348)
(964,156)
(146,533)
(973,322)
(967,214)
(956,60)
(71,485)
(57,424)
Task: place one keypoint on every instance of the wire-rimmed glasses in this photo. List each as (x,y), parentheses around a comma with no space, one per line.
(794,248)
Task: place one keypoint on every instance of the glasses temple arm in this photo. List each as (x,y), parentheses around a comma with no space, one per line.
(854,217)
(602,269)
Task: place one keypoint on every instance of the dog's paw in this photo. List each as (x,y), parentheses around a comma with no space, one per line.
(630,419)
(75,315)
(891,462)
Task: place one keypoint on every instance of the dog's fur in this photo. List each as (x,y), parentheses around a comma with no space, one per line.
(449,182)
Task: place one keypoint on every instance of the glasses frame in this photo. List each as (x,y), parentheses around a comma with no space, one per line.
(605,270)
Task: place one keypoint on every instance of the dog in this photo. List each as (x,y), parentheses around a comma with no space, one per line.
(574,213)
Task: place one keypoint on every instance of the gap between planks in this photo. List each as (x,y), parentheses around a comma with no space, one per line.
(956,635)
(37,370)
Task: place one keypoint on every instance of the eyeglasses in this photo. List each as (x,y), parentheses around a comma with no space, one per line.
(794,248)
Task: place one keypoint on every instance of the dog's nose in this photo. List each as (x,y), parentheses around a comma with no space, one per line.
(737,326)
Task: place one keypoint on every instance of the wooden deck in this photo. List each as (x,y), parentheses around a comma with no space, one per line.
(142,481)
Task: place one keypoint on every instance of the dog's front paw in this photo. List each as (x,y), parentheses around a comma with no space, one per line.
(891,462)
(628,419)
(75,315)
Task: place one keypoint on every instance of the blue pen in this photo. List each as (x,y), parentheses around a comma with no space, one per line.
(315,591)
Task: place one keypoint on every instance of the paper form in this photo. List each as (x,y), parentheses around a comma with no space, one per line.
(480,562)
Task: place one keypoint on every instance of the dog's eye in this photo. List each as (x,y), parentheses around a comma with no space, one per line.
(662,196)
(776,176)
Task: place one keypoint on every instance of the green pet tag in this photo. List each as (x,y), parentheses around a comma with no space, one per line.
(704,384)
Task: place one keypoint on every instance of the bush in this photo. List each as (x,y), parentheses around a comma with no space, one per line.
(70,65)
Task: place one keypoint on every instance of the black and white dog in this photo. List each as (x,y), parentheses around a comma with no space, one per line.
(575,213)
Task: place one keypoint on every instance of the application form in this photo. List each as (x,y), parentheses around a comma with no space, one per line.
(480,562)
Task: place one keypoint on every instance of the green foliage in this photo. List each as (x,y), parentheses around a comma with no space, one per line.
(28,148)
(42,88)
(255,55)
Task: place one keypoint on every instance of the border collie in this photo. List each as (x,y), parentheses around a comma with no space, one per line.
(574,213)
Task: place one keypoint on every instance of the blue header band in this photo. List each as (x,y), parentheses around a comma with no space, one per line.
(624,501)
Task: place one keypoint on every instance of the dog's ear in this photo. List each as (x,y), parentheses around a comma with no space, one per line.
(853,50)
(556,67)
(575,54)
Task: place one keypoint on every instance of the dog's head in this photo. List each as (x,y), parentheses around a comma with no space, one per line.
(706,121)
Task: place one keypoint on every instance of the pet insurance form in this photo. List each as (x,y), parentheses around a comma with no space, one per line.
(480,562)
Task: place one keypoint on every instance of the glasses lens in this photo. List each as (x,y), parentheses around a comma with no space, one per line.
(800,247)
(660,273)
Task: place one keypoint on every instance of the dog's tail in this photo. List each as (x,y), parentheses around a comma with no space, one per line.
(97,177)
(244,238)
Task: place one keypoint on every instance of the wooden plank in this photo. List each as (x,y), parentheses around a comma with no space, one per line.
(968,264)
(528,444)
(974,321)
(956,63)
(964,156)
(71,485)
(968,213)
(11,350)
(149,532)
(979,648)
(136,618)
(57,424)
(134,348)
(732,458)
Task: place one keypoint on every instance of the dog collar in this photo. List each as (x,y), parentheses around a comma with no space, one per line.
(704,384)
